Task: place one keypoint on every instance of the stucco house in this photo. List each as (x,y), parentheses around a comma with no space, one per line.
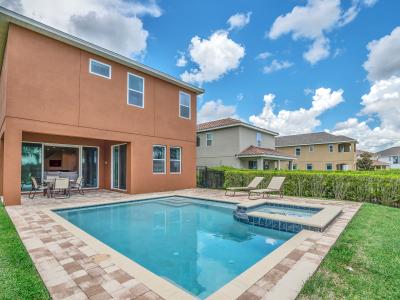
(319,151)
(391,156)
(72,108)
(376,162)
(231,142)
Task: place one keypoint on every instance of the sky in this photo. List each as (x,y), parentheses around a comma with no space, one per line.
(291,66)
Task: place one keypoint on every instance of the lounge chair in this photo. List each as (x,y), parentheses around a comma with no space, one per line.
(36,188)
(274,186)
(61,188)
(78,185)
(252,185)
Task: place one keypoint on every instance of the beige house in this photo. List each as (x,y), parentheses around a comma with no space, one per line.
(319,151)
(231,142)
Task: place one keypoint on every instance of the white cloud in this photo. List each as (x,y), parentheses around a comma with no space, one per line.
(214,110)
(239,20)
(313,21)
(113,24)
(277,65)
(239,97)
(214,56)
(383,58)
(181,61)
(382,104)
(263,55)
(297,121)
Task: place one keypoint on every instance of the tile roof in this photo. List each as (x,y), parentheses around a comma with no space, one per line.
(310,139)
(389,151)
(230,122)
(259,151)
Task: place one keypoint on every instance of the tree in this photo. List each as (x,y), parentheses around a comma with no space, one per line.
(364,163)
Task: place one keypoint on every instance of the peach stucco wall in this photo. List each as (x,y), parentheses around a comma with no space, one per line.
(48,95)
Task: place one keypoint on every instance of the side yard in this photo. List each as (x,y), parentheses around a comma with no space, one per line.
(365,261)
(18,277)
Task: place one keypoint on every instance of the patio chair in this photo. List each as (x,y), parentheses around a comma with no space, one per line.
(78,185)
(61,188)
(252,185)
(36,188)
(274,186)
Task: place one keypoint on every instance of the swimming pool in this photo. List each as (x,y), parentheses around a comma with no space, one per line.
(195,244)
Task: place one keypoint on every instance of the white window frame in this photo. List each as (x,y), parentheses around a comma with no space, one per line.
(180,159)
(258,139)
(329,148)
(395,160)
(128,89)
(312,167)
(190,104)
(295,151)
(212,139)
(311,148)
(294,166)
(101,63)
(165,159)
(326,166)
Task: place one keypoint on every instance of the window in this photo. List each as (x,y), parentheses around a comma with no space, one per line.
(99,69)
(258,139)
(329,167)
(159,159)
(135,90)
(209,139)
(118,163)
(309,167)
(253,165)
(294,167)
(198,141)
(395,160)
(184,105)
(330,148)
(297,151)
(175,160)
(311,148)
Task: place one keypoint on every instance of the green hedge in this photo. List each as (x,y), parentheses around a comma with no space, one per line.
(354,186)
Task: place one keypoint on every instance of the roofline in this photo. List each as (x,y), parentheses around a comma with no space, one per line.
(240,124)
(265,155)
(8,16)
(309,144)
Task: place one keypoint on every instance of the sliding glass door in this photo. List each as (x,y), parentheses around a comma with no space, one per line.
(90,156)
(118,167)
(31,164)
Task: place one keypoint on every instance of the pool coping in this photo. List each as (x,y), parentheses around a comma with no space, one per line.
(163,287)
(320,220)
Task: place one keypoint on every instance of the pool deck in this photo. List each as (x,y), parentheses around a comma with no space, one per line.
(76,266)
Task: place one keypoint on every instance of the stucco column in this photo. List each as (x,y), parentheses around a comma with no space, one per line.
(279,164)
(260,163)
(12,166)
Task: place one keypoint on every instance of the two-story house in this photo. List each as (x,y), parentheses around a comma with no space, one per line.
(231,142)
(68,106)
(319,151)
(390,156)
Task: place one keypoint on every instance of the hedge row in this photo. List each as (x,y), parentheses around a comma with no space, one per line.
(353,186)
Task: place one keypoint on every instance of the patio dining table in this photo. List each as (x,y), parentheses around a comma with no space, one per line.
(50,185)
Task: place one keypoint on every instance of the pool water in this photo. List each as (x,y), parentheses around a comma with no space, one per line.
(297,212)
(195,244)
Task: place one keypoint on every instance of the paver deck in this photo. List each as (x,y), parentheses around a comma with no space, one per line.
(71,269)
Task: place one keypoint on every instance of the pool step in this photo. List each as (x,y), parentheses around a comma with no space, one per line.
(175,203)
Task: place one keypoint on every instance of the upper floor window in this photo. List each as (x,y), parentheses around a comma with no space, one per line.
(159,159)
(99,69)
(309,167)
(135,90)
(297,151)
(258,139)
(311,148)
(175,159)
(209,139)
(198,141)
(344,148)
(184,105)
(330,148)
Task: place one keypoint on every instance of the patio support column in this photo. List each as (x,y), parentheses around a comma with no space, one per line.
(260,163)
(279,164)
(12,166)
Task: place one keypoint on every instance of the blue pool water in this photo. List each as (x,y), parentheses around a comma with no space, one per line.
(297,212)
(195,244)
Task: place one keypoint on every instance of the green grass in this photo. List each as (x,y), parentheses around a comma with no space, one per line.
(365,261)
(18,276)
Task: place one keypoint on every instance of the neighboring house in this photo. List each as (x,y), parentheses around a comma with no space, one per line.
(230,142)
(319,151)
(376,163)
(72,108)
(390,156)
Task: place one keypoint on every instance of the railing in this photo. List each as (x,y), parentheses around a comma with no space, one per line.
(208,178)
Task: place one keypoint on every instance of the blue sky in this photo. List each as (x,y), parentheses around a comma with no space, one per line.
(316,49)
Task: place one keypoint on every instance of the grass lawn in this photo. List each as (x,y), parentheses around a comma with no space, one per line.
(18,276)
(365,261)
